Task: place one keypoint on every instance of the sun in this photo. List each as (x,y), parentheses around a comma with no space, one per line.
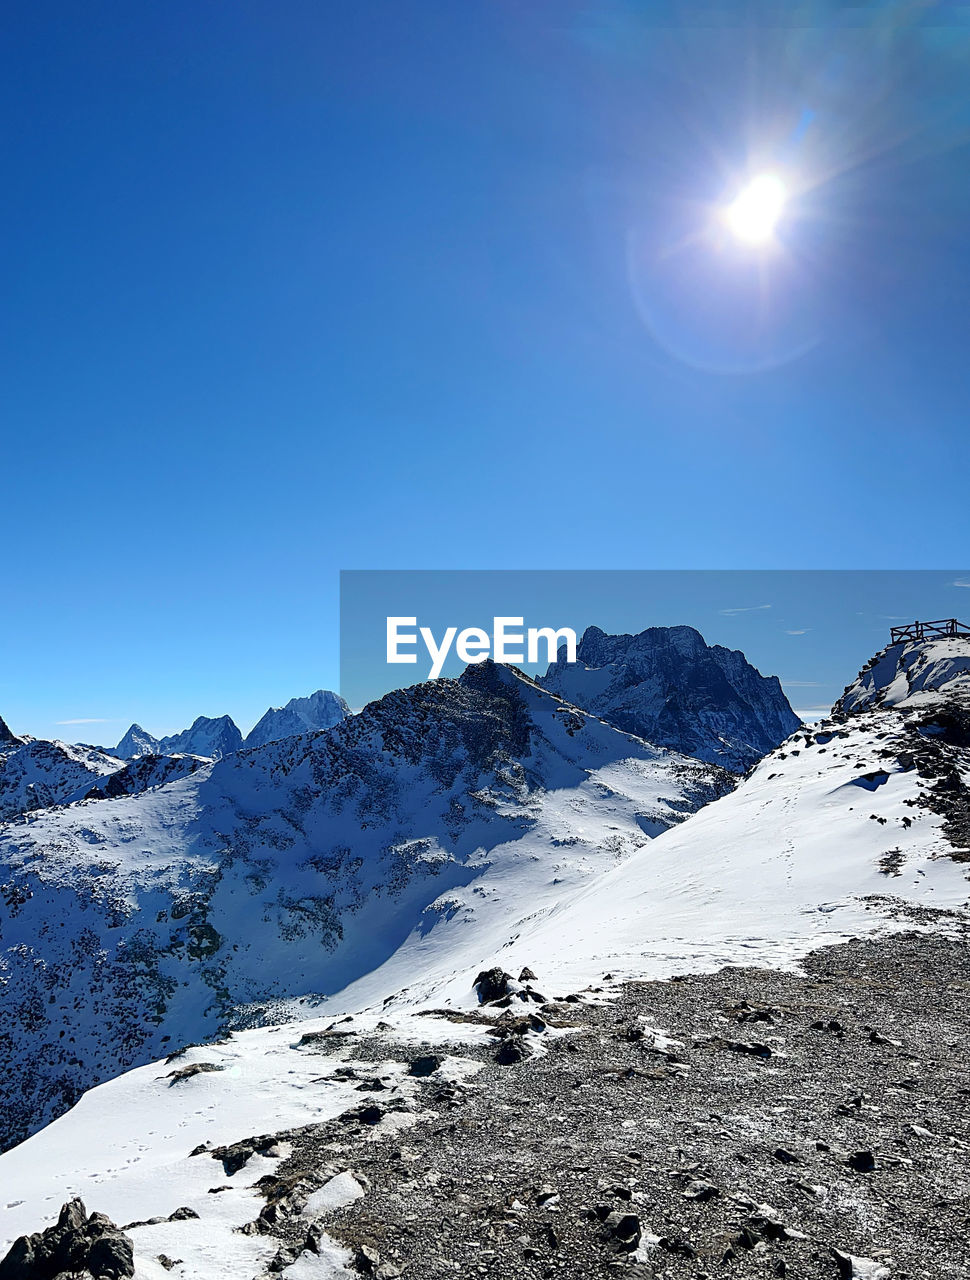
(754,213)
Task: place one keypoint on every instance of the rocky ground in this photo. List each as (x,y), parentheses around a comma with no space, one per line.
(742,1124)
(798,1126)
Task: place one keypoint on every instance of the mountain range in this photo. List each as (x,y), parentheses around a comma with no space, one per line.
(336,914)
(216,737)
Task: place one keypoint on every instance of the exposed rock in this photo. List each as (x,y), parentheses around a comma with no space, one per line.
(492,984)
(193,1069)
(77,1245)
(427,1064)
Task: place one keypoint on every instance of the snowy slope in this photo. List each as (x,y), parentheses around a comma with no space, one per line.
(321,710)
(838,832)
(137,924)
(913,675)
(668,686)
(35,774)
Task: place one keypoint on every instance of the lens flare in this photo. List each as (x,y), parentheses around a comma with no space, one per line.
(754,213)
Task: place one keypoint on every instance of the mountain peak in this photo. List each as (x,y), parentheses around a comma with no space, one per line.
(214,737)
(319,710)
(667,685)
(136,742)
(912,674)
(7,737)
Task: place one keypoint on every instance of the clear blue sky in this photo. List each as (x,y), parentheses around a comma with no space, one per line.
(302,287)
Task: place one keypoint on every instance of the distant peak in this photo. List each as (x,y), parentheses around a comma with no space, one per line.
(7,737)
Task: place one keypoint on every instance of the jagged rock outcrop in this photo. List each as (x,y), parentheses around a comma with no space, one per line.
(77,1247)
(321,710)
(7,737)
(668,686)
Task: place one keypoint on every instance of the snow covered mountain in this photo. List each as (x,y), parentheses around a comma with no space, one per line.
(668,686)
(35,774)
(134,925)
(515,825)
(213,737)
(136,742)
(321,710)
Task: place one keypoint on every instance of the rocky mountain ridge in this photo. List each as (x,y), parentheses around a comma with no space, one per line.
(668,686)
(215,737)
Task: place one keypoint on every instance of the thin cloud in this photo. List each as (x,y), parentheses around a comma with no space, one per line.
(750,608)
(961,582)
(803,684)
(86,720)
(798,631)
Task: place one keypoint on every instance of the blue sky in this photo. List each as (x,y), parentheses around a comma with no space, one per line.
(295,289)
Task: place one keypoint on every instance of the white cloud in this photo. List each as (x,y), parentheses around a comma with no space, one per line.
(798,631)
(750,608)
(86,720)
(961,582)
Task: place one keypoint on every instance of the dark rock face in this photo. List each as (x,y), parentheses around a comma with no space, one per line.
(668,686)
(7,738)
(76,1245)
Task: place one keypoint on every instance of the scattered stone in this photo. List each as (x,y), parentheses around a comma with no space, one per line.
(369,1113)
(492,985)
(755,1050)
(527,975)
(193,1069)
(624,1228)
(861,1161)
(330,1035)
(852,1268)
(701,1191)
(238,1154)
(512,1050)
(426,1065)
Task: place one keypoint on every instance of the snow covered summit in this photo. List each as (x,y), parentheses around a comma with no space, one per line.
(668,686)
(212,737)
(320,710)
(913,674)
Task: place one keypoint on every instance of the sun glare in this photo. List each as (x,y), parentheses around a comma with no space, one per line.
(754,213)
